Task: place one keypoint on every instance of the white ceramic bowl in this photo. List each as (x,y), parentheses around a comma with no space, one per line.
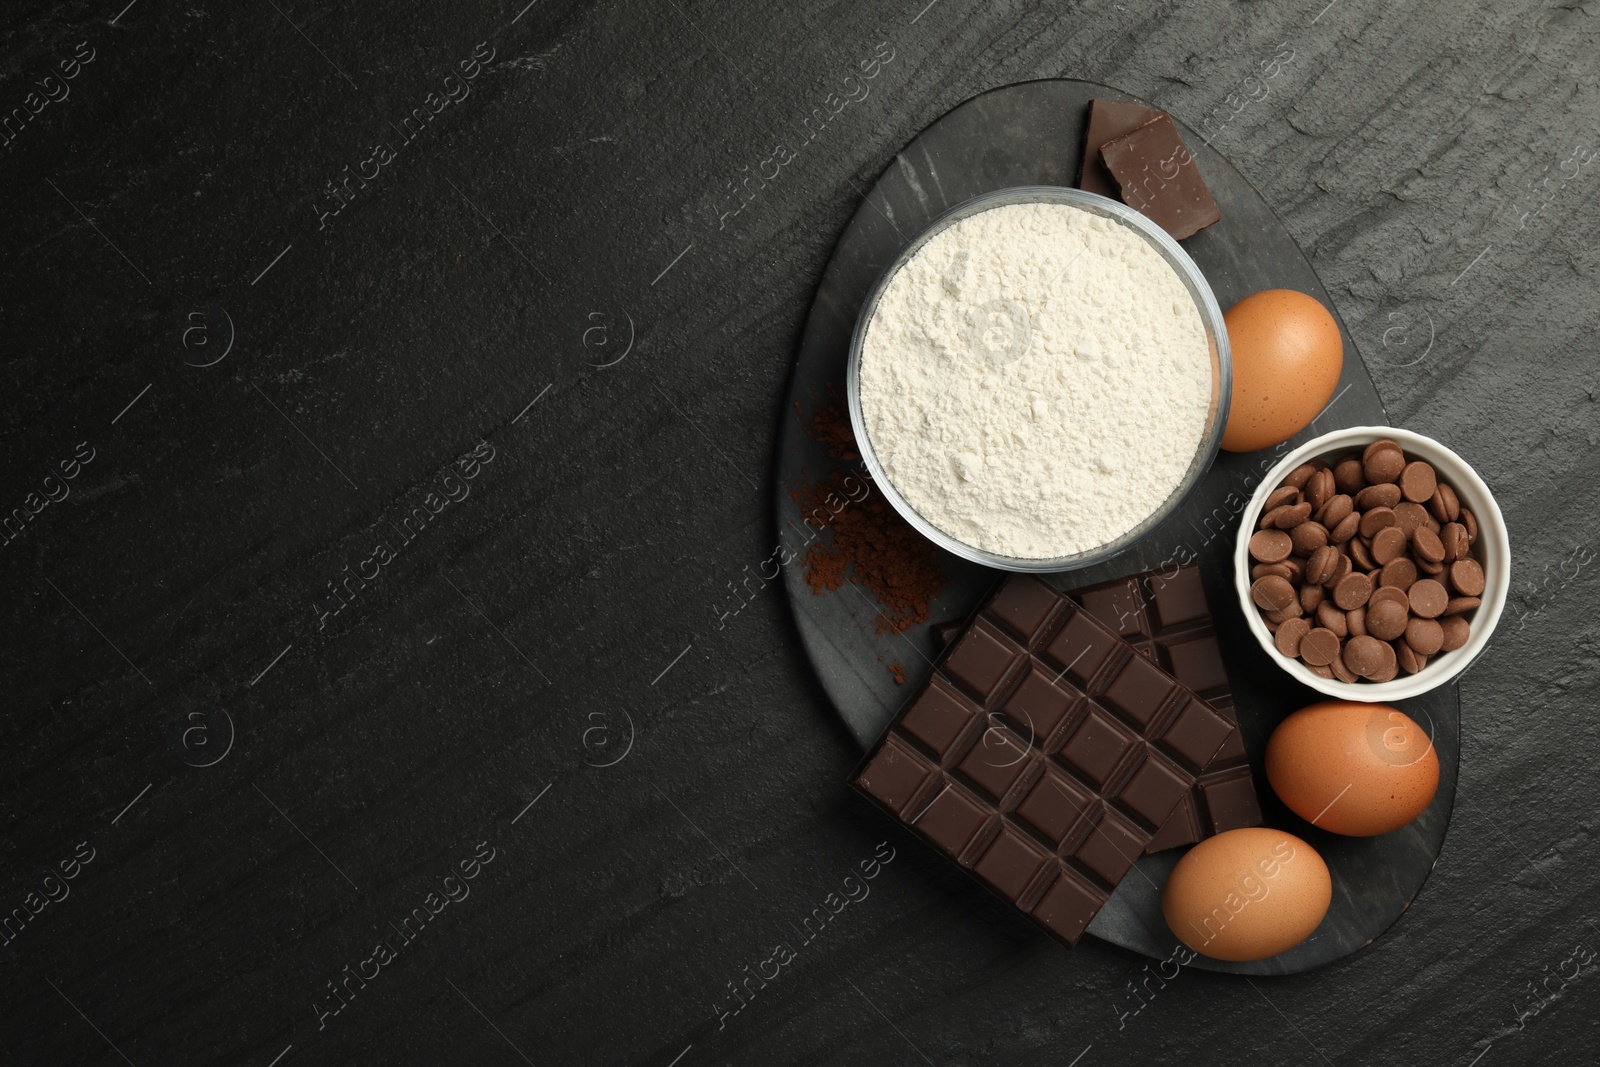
(1492,549)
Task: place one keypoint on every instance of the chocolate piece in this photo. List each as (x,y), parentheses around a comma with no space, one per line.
(1444,504)
(1383,464)
(1427,599)
(1288,636)
(1158,177)
(1425,636)
(1044,754)
(1456,630)
(1382,495)
(1466,576)
(1165,615)
(1272,593)
(1274,546)
(1284,494)
(1364,656)
(1108,119)
(1319,488)
(1319,646)
(1308,537)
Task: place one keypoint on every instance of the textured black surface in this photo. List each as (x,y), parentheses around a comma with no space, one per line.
(1423,158)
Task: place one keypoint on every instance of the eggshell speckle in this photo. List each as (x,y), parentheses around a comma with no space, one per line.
(1287,355)
(1247,894)
(1353,768)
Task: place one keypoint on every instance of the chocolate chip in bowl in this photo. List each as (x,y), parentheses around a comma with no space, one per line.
(1372,564)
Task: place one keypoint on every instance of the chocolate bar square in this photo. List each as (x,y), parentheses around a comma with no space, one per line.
(1108,120)
(1157,176)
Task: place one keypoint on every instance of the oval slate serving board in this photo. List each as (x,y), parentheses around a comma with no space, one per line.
(1032,134)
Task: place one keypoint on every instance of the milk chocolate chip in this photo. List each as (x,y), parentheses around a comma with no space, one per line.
(1288,637)
(1329,617)
(1386,620)
(1425,636)
(1456,631)
(1319,646)
(1333,512)
(1273,593)
(1377,519)
(1409,661)
(1292,515)
(1284,494)
(1427,545)
(1466,575)
(1319,488)
(1310,536)
(1398,573)
(1364,655)
(1388,544)
(1386,495)
(1418,482)
(1444,505)
(1384,465)
(1345,529)
(1351,592)
(1301,475)
(1320,567)
(1270,546)
(1348,476)
(1410,516)
(1428,599)
(1388,594)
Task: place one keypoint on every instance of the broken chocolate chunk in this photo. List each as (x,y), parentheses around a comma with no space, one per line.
(1108,120)
(1157,176)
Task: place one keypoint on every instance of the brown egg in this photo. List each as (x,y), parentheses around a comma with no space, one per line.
(1247,894)
(1353,768)
(1287,355)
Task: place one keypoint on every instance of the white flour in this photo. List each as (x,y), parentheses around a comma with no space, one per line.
(1035,381)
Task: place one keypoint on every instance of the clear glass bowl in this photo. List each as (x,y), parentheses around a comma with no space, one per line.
(1210,316)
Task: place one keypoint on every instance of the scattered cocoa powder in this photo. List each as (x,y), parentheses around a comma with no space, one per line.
(870,543)
(831,425)
(899,672)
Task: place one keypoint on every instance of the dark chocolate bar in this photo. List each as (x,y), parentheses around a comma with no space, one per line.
(1157,176)
(1164,614)
(1108,120)
(1043,754)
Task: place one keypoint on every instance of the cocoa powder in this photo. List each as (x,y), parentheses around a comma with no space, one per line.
(870,543)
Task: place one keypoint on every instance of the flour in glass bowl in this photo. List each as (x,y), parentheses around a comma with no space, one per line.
(1036,380)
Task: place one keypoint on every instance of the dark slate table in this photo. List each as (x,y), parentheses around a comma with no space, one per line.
(389,401)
